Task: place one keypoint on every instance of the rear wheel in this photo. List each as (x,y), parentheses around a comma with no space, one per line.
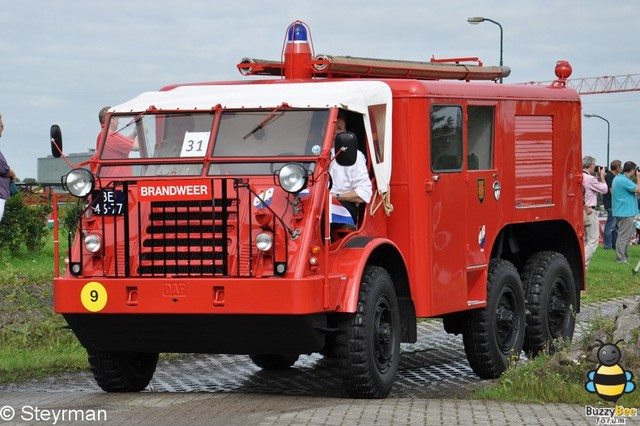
(274,362)
(550,294)
(494,335)
(122,371)
(368,344)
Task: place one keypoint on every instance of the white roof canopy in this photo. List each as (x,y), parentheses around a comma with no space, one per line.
(350,95)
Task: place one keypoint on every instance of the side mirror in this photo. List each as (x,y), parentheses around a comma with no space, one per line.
(56,141)
(346,148)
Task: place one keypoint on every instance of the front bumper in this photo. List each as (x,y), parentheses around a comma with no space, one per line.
(232,334)
(185,295)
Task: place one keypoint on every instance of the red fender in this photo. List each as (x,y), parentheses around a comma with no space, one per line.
(350,261)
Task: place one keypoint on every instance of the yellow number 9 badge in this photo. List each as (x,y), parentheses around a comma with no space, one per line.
(93,296)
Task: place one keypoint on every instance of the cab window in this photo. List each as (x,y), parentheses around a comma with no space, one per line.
(480,137)
(446,138)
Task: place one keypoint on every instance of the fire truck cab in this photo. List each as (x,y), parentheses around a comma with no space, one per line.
(209,223)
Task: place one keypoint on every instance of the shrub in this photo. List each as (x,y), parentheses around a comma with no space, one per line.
(11,226)
(35,228)
(68,215)
(23,224)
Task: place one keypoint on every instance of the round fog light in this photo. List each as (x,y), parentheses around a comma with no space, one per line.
(92,243)
(264,241)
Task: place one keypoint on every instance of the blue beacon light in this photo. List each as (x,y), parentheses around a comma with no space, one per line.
(297,33)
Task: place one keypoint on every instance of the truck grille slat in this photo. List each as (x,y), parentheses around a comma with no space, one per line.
(181,270)
(183,242)
(182,255)
(184,229)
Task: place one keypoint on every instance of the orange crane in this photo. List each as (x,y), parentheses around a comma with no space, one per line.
(597,85)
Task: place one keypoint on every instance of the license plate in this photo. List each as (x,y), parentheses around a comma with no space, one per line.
(107,202)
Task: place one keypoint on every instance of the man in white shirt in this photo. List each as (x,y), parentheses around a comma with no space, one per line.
(351,184)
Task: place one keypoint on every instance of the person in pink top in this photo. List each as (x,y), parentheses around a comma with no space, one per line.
(594,184)
(116,146)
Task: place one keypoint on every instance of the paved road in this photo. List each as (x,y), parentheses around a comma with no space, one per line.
(229,390)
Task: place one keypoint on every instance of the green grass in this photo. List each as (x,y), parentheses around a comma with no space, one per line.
(28,352)
(33,340)
(607,279)
(551,379)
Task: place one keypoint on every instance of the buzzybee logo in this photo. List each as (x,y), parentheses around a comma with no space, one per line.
(609,380)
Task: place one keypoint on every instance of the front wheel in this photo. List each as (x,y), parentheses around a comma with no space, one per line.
(368,344)
(494,335)
(122,371)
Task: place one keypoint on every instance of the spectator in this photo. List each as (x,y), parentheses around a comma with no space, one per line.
(102,116)
(116,145)
(593,185)
(351,184)
(625,207)
(610,233)
(6,176)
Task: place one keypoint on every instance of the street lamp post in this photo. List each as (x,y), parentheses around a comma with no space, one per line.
(475,20)
(590,115)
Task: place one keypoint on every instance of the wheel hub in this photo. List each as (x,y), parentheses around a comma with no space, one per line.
(506,324)
(383,337)
(558,310)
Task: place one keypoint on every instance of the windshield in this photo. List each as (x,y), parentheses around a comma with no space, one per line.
(270,133)
(185,138)
(158,136)
(252,135)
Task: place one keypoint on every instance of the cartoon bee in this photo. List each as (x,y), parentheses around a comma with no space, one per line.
(609,380)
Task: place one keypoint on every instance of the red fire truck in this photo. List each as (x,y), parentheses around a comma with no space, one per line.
(207,218)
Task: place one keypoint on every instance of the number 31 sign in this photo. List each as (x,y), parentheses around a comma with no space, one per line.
(195,144)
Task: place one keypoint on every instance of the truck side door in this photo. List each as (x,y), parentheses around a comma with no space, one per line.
(449,207)
(483,197)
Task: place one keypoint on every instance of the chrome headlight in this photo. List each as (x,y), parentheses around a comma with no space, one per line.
(79,182)
(264,241)
(92,242)
(293,177)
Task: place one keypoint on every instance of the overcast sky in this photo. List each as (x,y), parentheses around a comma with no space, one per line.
(61,61)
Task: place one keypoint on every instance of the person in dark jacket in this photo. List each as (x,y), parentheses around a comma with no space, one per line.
(610,232)
(6,176)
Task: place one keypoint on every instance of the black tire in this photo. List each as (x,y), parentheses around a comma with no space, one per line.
(56,141)
(329,350)
(274,362)
(550,295)
(495,334)
(368,344)
(122,371)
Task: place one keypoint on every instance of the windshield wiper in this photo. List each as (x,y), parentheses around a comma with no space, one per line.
(267,120)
